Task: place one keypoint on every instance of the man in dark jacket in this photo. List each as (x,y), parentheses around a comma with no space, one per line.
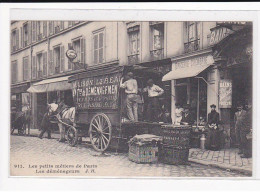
(187,117)
(213,139)
(246,128)
(45,125)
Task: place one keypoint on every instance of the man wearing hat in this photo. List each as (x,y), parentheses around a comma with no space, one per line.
(237,121)
(213,139)
(153,108)
(131,89)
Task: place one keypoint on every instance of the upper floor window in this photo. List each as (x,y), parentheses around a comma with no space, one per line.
(25,68)
(134,44)
(39,30)
(25,35)
(58,58)
(157,40)
(58,26)
(15,40)
(39,61)
(14,71)
(192,36)
(99,48)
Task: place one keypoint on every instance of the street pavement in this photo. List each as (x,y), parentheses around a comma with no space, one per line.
(31,156)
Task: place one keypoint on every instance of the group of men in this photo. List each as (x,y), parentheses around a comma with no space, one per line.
(132,98)
(243,128)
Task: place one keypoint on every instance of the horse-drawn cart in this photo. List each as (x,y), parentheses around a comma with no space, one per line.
(100,111)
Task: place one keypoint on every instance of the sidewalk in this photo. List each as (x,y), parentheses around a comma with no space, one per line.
(228,159)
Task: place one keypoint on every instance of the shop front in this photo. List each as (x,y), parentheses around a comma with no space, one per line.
(48,91)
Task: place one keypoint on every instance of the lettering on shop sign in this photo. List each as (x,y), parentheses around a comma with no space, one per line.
(225,93)
(195,61)
(97,92)
(219,34)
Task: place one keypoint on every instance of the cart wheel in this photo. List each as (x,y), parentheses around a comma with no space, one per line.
(72,136)
(100,131)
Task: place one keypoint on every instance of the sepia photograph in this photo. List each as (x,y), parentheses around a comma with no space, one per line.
(131,98)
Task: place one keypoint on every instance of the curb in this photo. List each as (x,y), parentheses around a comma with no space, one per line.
(228,168)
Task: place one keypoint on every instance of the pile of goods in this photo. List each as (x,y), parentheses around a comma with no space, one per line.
(144,148)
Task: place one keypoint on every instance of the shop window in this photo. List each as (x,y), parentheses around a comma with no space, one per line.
(157,40)
(15,40)
(25,68)
(134,44)
(99,48)
(14,71)
(192,36)
(39,61)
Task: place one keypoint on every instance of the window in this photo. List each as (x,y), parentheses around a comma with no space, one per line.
(25,35)
(39,30)
(134,44)
(192,36)
(98,40)
(39,60)
(25,68)
(34,67)
(34,34)
(57,59)
(157,40)
(14,72)
(58,26)
(15,40)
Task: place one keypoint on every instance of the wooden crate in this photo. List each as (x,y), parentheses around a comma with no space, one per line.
(143,154)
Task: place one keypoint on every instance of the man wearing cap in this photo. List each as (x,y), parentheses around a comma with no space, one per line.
(237,121)
(214,134)
(131,88)
(153,108)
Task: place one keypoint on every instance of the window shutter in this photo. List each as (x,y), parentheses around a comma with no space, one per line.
(25,69)
(34,69)
(96,49)
(44,68)
(50,27)
(101,47)
(61,25)
(17,39)
(82,50)
(50,68)
(62,62)
(29,32)
(14,71)
(33,31)
(45,29)
(22,43)
(69,62)
(185,32)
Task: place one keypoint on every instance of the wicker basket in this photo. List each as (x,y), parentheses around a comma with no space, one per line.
(174,155)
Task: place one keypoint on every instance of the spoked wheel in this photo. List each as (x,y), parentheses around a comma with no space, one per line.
(100,131)
(72,136)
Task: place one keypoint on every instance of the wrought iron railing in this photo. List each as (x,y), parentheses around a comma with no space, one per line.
(192,46)
(133,59)
(157,54)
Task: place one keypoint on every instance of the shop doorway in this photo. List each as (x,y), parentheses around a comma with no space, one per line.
(41,107)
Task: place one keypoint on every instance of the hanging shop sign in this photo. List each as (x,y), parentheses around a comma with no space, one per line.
(99,92)
(219,34)
(225,93)
(71,54)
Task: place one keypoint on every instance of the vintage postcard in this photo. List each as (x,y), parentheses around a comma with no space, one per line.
(131,98)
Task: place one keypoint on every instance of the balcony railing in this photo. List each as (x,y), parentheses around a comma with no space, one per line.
(133,59)
(39,74)
(157,54)
(192,46)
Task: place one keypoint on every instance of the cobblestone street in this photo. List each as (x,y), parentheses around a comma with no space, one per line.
(34,156)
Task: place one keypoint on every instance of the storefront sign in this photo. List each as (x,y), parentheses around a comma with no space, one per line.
(219,34)
(97,92)
(71,54)
(225,93)
(202,60)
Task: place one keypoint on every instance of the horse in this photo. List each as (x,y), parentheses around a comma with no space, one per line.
(21,120)
(63,114)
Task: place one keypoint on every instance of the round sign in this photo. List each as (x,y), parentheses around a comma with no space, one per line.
(71,54)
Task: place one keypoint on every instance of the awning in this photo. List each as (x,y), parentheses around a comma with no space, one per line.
(49,85)
(185,73)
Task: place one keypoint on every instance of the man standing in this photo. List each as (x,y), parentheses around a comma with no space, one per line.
(213,139)
(153,108)
(187,118)
(237,120)
(131,89)
(45,124)
(246,128)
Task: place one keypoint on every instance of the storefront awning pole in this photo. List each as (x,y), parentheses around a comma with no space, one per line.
(198,105)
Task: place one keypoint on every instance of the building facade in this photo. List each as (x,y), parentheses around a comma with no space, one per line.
(38,54)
